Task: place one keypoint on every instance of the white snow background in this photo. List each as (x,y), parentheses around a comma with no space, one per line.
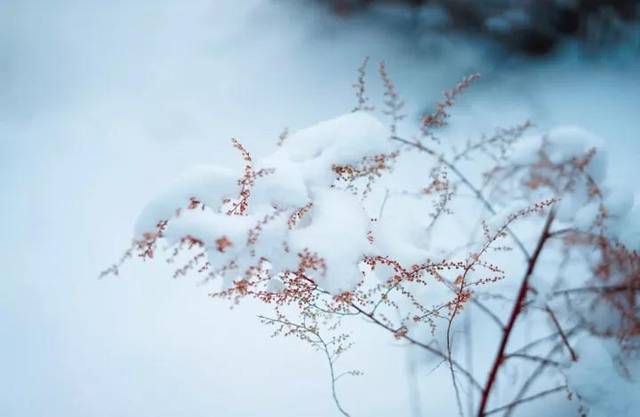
(103,103)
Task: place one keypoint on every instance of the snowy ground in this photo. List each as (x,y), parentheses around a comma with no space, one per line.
(101,103)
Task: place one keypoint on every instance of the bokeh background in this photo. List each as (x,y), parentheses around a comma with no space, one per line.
(102,103)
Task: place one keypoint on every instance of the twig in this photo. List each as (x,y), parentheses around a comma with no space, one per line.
(325,348)
(476,192)
(601,289)
(536,373)
(536,342)
(563,336)
(425,346)
(526,399)
(533,358)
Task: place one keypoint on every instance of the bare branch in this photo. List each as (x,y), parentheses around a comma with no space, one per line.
(526,399)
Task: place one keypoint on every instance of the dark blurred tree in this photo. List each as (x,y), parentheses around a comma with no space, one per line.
(531,26)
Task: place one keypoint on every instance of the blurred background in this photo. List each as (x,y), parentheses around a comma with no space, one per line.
(102,103)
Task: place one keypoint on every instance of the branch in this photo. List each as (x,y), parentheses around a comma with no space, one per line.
(609,289)
(330,360)
(526,399)
(563,336)
(533,358)
(425,346)
(536,373)
(476,192)
(319,342)
(541,340)
(517,309)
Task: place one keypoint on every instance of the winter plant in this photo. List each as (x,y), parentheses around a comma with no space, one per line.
(356,218)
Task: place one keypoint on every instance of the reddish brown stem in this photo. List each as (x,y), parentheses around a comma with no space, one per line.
(515,312)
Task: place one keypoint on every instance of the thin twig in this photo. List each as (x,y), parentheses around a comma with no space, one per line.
(526,399)
(533,358)
(476,192)
(563,336)
(325,348)
(425,346)
(536,373)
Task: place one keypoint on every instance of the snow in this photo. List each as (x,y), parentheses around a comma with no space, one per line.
(526,150)
(568,142)
(338,233)
(628,228)
(285,187)
(302,173)
(619,201)
(401,231)
(592,379)
(342,140)
(275,285)
(506,215)
(208,184)
(565,143)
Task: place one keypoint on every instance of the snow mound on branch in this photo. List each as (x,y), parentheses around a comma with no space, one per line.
(309,154)
(338,234)
(296,207)
(401,234)
(208,184)
(335,226)
(577,205)
(561,144)
(566,142)
(342,140)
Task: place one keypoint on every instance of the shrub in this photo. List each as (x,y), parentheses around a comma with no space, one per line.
(352,218)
